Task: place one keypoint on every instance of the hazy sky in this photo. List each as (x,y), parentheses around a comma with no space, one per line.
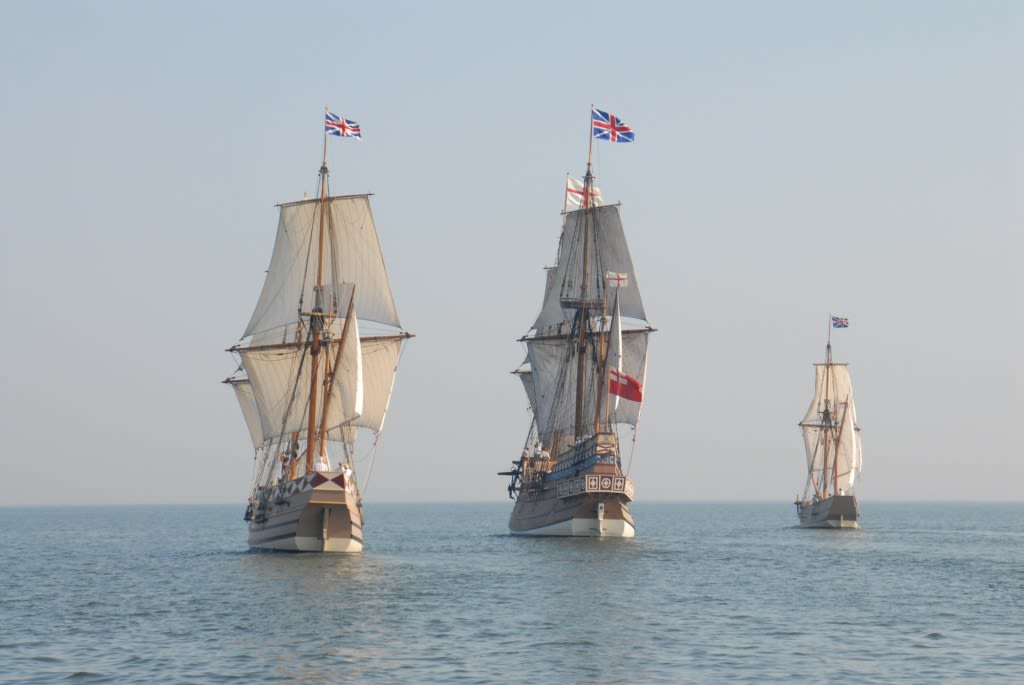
(792,159)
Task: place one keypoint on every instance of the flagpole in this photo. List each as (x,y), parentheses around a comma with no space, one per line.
(565,195)
(590,143)
(588,180)
(326,111)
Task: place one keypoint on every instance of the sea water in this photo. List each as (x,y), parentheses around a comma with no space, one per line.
(706,592)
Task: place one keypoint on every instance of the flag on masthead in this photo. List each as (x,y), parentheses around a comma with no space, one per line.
(609,127)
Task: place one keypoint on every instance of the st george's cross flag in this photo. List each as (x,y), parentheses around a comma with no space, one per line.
(574,194)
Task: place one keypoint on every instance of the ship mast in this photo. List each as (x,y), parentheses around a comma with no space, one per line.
(316,321)
(583,308)
(827,421)
(582,312)
(329,373)
(826,418)
(601,406)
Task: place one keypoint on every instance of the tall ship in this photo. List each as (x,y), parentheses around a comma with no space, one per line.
(316,368)
(583,374)
(832,443)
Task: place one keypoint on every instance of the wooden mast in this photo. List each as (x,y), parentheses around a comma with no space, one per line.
(604,407)
(582,312)
(826,418)
(602,410)
(316,320)
(329,378)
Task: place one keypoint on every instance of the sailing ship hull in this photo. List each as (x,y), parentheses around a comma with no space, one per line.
(838,511)
(589,505)
(315,513)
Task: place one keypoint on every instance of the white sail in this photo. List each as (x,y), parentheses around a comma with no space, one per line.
(351,254)
(525,374)
(280,376)
(607,251)
(246,401)
(553,381)
(380,364)
(628,355)
(849,451)
(615,348)
(831,434)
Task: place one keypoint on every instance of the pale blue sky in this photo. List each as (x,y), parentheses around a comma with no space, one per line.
(792,159)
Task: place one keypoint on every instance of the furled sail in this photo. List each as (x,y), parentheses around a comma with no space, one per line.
(830,429)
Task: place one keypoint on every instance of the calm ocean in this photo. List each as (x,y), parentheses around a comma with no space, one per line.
(923,593)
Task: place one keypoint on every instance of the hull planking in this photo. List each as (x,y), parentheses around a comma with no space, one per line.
(315,513)
(590,499)
(838,511)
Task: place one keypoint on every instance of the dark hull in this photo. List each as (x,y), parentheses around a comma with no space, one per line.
(838,511)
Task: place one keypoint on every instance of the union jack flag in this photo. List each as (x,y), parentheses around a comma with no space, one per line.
(840,322)
(609,127)
(340,126)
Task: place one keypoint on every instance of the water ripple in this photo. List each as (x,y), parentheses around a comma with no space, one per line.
(170,595)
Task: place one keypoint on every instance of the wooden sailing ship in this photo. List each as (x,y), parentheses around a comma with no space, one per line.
(832,445)
(317,364)
(584,372)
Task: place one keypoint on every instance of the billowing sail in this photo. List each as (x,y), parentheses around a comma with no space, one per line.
(831,433)
(606,251)
(280,376)
(317,365)
(276,358)
(351,254)
(525,374)
(246,401)
(554,380)
(592,246)
(629,359)
(380,364)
